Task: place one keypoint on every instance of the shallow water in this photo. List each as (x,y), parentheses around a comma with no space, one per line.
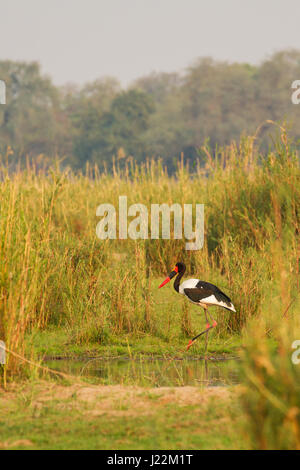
(153,372)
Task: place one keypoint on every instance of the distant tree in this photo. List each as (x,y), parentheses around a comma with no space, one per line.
(167,133)
(218,99)
(30,121)
(85,108)
(158,85)
(273,91)
(119,131)
(159,115)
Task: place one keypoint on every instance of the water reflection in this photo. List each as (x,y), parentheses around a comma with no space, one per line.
(152,372)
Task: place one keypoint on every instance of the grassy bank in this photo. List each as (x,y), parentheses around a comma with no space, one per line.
(49,416)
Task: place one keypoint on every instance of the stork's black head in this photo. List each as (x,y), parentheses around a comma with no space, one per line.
(179,268)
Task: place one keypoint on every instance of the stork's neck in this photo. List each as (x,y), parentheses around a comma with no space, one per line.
(178,279)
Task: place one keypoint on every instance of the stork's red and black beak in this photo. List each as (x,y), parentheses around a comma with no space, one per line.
(171,275)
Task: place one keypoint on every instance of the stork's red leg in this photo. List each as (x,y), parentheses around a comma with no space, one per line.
(207,330)
(214,323)
(208,327)
(196,337)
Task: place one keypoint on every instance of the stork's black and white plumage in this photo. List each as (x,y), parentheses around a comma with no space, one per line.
(200,293)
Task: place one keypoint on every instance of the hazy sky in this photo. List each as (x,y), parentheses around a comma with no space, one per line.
(81,40)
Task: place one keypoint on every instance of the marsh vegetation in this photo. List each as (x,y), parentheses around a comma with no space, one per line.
(66,293)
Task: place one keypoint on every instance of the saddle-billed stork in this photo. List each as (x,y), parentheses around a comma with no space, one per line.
(200,293)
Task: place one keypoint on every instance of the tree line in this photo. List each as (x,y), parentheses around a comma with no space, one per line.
(159,115)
